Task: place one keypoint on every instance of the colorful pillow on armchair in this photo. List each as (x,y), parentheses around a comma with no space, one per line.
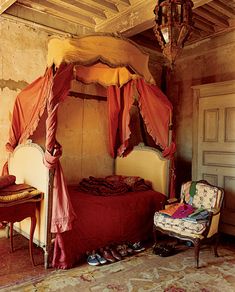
(199,195)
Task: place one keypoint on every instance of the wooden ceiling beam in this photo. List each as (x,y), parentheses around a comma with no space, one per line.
(203,26)
(125,2)
(196,33)
(38,19)
(206,21)
(222,8)
(148,34)
(103,4)
(211,17)
(145,42)
(132,20)
(138,17)
(5,4)
(58,11)
(198,3)
(80,8)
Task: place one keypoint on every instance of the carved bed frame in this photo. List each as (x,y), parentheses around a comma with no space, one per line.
(26,163)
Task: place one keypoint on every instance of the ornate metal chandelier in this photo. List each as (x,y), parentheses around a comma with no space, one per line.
(173,26)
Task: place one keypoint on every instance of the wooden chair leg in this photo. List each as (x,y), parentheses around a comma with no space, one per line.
(154,235)
(11,235)
(32,228)
(216,245)
(197,250)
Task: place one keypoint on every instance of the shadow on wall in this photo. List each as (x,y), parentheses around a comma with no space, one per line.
(183,172)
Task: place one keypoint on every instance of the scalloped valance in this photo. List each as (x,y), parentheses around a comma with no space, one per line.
(110,50)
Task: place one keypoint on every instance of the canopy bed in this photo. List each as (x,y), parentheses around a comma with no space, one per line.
(122,69)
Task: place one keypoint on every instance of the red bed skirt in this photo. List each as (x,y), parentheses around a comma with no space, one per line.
(104,220)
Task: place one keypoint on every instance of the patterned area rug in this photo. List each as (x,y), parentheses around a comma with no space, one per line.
(144,272)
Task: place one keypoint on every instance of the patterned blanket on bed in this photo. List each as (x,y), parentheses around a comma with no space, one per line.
(113,185)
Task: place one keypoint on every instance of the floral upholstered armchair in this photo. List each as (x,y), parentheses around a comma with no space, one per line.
(195,218)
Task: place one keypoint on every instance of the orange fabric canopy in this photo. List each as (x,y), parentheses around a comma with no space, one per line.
(104,75)
(122,85)
(110,50)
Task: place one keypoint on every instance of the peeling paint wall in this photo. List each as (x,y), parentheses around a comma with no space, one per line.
(22,59)
(208,62)
(83,126)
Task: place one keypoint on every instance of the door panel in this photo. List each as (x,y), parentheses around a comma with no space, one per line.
(215,149)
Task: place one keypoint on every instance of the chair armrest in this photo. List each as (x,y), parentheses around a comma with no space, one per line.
(171,202)
(214,211)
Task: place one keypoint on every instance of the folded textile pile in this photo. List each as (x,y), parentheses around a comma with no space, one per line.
(199,214)
(186,212)
(18,193)
(7,180)
(178,210)
(113,185)
(101,186)
(135,183)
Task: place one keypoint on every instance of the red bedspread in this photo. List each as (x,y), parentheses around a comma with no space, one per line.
(102,220)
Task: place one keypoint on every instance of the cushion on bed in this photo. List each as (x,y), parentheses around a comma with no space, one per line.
(7,180)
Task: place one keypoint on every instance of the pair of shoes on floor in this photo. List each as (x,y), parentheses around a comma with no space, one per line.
(137,246)
(164,250)
(114,252)
(124,250)
(95,259)
(110,254)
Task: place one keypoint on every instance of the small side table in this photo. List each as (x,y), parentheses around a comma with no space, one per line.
(17,213)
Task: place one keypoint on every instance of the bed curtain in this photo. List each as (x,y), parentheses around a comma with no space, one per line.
(50,90)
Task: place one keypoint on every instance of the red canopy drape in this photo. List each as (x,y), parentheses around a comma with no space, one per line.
(51,91)
(29,107)
(156,111)
(120,101)
(62,210)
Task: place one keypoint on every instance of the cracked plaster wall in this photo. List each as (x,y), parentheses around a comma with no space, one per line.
(211,61)
(23,54)
(22,59)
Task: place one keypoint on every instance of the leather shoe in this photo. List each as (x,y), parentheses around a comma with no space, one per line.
(115,254)
(107,255)
(122,250)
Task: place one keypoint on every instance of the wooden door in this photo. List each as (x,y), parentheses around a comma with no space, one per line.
(214,143)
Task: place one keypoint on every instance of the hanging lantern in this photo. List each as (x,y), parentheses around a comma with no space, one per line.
(173,26)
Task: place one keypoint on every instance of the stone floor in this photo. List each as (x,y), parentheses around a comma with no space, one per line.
(16,267)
